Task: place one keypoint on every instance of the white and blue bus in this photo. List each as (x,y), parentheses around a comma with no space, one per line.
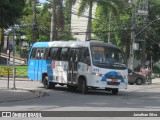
(82,65)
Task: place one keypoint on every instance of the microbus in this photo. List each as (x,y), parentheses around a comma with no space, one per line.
(81,65)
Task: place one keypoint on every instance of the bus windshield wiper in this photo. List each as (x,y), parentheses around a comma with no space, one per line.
(106,64)
(115,64)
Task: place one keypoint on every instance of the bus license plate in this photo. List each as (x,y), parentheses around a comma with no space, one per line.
(114,80)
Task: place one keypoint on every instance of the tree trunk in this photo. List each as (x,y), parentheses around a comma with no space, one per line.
(68,15)
(89,25)
(53,22)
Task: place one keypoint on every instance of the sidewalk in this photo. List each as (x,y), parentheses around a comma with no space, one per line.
(156,81)
(16,95)
(25,89)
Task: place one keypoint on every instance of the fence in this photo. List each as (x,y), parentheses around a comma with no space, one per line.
(20,71)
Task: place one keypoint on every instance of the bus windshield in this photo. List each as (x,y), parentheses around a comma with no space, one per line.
(107,57)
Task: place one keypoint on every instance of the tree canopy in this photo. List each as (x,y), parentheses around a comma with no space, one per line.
(10,11)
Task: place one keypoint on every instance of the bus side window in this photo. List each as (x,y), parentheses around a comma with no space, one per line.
(42,51)
(47,53)
(33,54)
(64,54)
(38,53)
(86,57)
(73,55)
(55,53)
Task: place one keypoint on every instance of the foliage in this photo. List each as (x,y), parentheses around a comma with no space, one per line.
(153,40)
(10,11)
(156,69)
(107,5)
(43,21)
(105,17)
(120,31)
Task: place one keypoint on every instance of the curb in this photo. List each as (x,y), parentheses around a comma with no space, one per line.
(17,79)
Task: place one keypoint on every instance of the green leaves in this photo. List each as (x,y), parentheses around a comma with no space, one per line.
(10,11)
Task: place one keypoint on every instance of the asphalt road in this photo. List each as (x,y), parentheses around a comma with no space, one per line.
(135,98)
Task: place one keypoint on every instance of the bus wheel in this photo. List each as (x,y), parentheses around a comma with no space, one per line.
(47,84)
(84,87)
(114,91)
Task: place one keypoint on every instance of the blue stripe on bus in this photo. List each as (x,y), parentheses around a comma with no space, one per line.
(41,44)
(112,73)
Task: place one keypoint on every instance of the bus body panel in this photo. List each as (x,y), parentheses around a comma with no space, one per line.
(49,70)
(31,69)
(60,71)
(36,67)
(96,77)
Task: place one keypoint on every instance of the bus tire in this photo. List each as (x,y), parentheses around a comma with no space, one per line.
(114,91)
(84,87)
(47,85)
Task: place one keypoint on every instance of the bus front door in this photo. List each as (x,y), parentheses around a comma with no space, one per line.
(73,66)
(39,64)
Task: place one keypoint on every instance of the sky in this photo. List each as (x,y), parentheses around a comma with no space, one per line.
(42,1)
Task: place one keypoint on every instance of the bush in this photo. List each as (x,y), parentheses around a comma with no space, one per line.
(156,69)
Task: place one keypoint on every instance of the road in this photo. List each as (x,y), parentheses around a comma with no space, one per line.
(135,98)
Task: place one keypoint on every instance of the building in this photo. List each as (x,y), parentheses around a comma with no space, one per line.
(79,23)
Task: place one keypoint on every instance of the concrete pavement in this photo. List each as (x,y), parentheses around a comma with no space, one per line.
(26,89)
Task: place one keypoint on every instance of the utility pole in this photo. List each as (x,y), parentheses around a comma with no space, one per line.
(131,55)
(14,50)
(145,19)
(35,35)
(1,38)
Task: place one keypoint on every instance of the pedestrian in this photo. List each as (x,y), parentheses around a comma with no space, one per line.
(148,75)
(143,73)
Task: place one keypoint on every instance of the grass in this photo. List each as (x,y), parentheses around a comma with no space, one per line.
(21,71)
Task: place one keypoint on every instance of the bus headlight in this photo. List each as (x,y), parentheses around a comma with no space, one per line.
(98,74)
(126,77)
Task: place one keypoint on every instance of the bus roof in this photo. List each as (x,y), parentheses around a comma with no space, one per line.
(74,44)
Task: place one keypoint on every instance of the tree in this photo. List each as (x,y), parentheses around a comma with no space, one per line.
(153,38)
(57,19)
(106,16)
(89,3)
(43,23)
(10,11)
